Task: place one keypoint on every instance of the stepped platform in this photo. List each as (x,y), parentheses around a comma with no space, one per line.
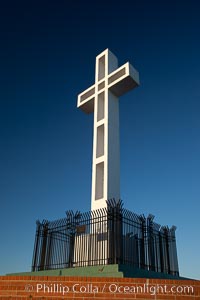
(116,270)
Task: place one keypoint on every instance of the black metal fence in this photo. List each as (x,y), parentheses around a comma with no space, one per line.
(112,235)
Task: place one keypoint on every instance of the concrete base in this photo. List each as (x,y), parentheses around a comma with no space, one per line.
(117,271)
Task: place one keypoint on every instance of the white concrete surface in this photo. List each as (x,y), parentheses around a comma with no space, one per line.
(101,98)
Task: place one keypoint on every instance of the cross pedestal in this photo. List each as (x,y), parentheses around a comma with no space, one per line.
(101,98)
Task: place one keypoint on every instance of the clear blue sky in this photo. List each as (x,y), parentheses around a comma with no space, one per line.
(47,57)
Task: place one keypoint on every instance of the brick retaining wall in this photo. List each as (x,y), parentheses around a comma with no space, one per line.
(85,288)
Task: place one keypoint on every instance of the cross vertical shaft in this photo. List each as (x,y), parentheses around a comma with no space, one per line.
(102,98)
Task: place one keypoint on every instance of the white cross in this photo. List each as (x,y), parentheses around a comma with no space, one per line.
(102,99)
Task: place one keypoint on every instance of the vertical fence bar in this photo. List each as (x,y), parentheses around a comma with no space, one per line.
(36,251)
(44,246)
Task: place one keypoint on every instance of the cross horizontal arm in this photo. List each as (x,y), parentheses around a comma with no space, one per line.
(119,82)
(86,100)
(123,80)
